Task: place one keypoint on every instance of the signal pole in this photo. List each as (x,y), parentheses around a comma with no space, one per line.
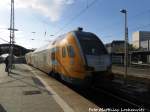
(12,34)
(125,46)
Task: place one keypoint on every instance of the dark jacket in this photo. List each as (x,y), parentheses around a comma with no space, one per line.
(6,60)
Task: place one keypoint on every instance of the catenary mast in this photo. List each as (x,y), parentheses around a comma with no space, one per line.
(12,33)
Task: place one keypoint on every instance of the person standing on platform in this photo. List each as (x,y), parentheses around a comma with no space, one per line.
(7,63)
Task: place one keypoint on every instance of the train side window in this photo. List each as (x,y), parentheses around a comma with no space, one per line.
(53,56)
(71,52)
(53,53)
(63,52)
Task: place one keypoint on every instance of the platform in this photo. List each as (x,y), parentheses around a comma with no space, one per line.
(133,72)
(30,90)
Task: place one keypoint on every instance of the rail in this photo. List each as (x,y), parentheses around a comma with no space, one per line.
(119,98)
(140,64)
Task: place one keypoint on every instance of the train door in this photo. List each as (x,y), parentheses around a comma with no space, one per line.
(63,60)
(71,55)
(54,62)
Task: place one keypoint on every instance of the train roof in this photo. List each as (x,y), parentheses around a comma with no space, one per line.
(77,32)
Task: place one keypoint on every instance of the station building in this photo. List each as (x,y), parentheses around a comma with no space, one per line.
(141,40)
(115,46)
(116,49)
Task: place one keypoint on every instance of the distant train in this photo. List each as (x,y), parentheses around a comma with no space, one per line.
(77,57)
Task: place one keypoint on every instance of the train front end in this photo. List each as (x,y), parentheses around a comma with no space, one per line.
(97,61)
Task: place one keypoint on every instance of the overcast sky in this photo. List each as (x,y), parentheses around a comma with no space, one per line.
(56,17)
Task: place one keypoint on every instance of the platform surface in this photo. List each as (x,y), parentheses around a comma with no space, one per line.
(143,73)
(30,90)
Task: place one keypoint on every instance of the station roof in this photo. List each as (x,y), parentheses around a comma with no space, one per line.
(18,50)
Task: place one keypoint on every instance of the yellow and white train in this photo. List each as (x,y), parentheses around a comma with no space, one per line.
(77,57)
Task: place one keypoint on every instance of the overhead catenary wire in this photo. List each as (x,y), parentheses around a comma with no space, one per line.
(89,5)
(134,28)
(4,40)
(140,27)
(129,18)
(132,17)
(84,10)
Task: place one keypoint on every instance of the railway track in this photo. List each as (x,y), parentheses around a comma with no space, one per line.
(121,99)
(105,98)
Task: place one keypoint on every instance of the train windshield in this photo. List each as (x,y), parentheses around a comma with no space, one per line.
(91,44)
